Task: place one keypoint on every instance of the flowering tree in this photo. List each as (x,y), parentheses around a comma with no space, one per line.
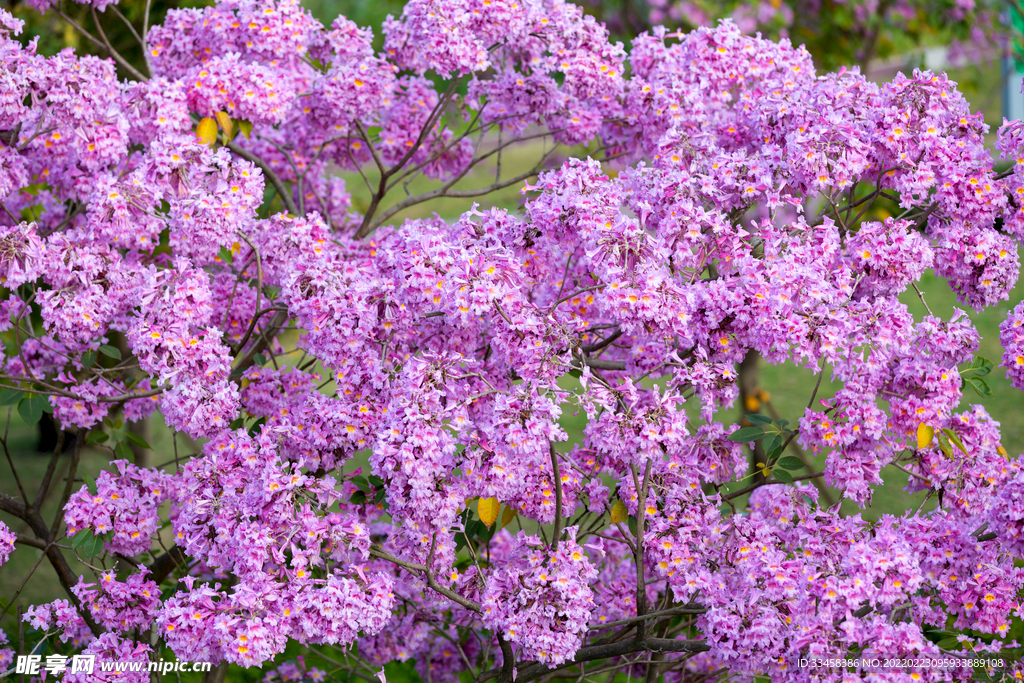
(836,32)
(378,406)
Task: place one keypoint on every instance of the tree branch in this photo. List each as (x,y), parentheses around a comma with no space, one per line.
(445,191)
(135,73)
(166,563)
(558,498)
(53,554)
(276,323)
(429,576)
(586,654)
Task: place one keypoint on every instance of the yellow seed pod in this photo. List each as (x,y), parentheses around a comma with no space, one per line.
(206,131)
(225,124)
(488,508)
(619,512)
(925,434)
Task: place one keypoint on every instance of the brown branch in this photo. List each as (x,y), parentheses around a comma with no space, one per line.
(597,346)
(672,611)
(429,576)
(598,363)
(445,191)
(759,484)
(69,482)
(641,513)
(135,73)
(166,563)
(276,323)
(138,38)
(508,661)
(558,498)
(52,552)
(50,469)
(586,654)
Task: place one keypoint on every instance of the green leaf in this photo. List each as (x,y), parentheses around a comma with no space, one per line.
(110,351)
(92,545)
(96,437)
(32,213)
(10,397)
(980,386)
(631,522)
(376,481)
(88,359)
(255,428)
(746,434)
(782,475)
(790,463)
(978,368)
(237,423)
(475,528)
(245,127)
(361,483)
(225,255)
(944,445)
(948,644)
(379,497)
(123,450)
(783,423)
(31,408)
(358,498)
(79,538)
(259,359)
(90,484)
(137,440)
(772,443)
(954,439)
(759,419)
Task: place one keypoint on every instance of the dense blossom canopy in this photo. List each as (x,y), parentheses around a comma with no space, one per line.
(374,403)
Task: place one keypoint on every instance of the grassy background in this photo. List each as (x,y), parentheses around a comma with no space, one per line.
(790,388)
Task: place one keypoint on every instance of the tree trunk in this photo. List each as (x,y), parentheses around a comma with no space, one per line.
(217,674)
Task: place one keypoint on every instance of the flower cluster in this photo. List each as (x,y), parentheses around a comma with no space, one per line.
(889,255)
(1011,336)
(540,599)
(126,506)
(121,606)
(111,647)
(7,539)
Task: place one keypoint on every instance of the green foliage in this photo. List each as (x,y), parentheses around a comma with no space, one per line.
(973,374)
(32,406)
(88,544)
